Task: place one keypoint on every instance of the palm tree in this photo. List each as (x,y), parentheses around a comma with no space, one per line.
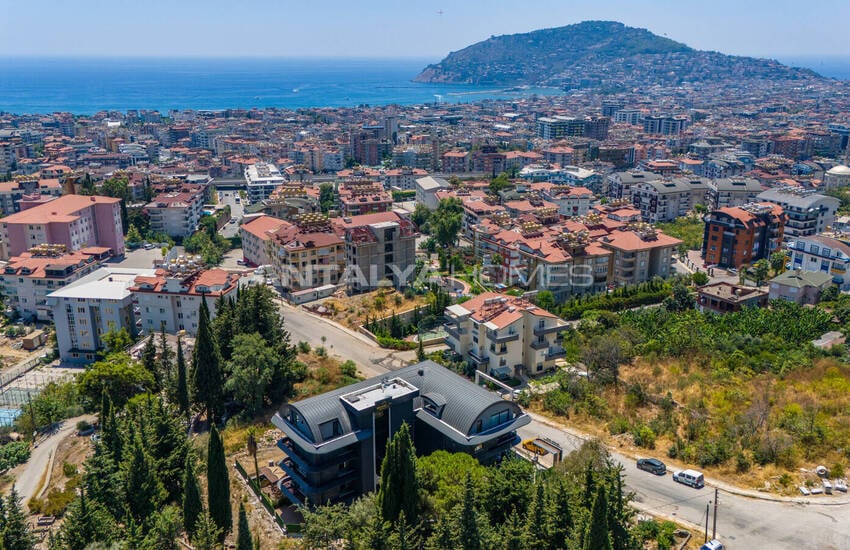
(251,445)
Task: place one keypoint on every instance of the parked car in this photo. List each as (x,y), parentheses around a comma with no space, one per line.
(713,544)
(690,477)
(652,465)
(149,246)
(232,220)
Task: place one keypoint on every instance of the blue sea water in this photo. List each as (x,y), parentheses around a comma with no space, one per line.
(84,86)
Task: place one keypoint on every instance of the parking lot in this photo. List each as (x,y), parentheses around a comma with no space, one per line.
(142,258)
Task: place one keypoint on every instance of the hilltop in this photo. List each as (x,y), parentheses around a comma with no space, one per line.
(597,54)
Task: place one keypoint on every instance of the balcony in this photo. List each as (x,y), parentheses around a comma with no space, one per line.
(498,351)
(537,344)
(453,330)
(555,353)
(290,490)
(540,331)
(477,356)
(493,337)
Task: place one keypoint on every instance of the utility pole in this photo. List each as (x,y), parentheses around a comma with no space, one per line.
(714,527)
(707,504)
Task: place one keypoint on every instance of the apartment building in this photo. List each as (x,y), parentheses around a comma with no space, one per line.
(402,178)
(177,213)
(363,197)
(504,336)
(171,297)
(639,255)
(456,162)
(739,235)
(726,192)
(76,221)
(800,287)
(378,247)
(261,179)
(664,200)
(822,254)
(664,124)
(28,279)
(86,309)
(427,188)
(808,212)
(13,192)
(256,234)
(620,184)
(335,442)
(571,201)
(306,253)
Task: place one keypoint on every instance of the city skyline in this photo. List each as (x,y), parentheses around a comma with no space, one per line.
(382,29)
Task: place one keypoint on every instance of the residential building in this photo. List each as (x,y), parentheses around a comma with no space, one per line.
(456,162)
(824,254)
(639,254)
(177,213)
(28,279)
(12,192)
(306,253)
(426,190)
(76,221)
(504,336)
(664,200)
(335,442)
(363,197)
(664,125)
(261,179)
(88,308)
(725,192)
(808,212)
(800,287)
(171,297)
(571,201)
(378,247)
(726,297)
(559,127)
(620,184)
(256,234)
(736,236)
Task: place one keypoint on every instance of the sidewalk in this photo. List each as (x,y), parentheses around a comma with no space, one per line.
(826,500)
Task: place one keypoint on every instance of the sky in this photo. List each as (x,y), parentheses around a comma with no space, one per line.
(395,28)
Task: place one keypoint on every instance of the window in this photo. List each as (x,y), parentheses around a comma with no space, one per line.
(330,429)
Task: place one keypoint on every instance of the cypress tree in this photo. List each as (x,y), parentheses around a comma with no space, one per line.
(109,433)
(145,492)
(598,537)
(513,536)
(589,486)
(149,359)
(469,537)
(166,376)
(243,537)
(537,528)
(399,492)
(206,368)
(206,535)
(561,519)
(182,388)
(16,532)
(218,484)
(192,505)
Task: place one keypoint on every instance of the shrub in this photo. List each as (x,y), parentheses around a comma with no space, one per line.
(619,425)
(303,347)
(742,463)
(83,425)
(644,437)
(321,351)
(70,470)
(558,402)
(348,368)
(837,471)
(636,395)
(785,479)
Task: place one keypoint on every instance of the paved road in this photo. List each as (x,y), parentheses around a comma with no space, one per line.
(28,475)
(236,211)
(370,359)
(742,522)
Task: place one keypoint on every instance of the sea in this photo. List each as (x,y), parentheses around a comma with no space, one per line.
(89,85)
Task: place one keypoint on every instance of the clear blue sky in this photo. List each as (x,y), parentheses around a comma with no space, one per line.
(396,28)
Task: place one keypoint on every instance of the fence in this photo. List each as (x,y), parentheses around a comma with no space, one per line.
(264,499)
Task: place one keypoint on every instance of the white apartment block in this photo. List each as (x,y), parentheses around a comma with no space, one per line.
(504,336)
(261,179)
(177,213)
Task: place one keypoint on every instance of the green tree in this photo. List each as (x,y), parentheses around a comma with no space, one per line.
(145,492)
(441,478)
(760,271)
(149,358)
(499,183)
(206,371)
(537,526)
(165,526)
(681,299)
(16,534)
(421,215)
(116,340)
(252,367)
(103,481)
(597,536)
(546,300)
(777,261)
(399,492)
(182,391)
(86,522)
(166,376)
(468,534)
(218,483)
(207,535)
(120,376)
(243,537)
(251,447)
(192,505)
(446,221)
(133,234)
(327,198)
(508,489)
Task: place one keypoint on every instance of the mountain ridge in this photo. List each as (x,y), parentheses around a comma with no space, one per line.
(597,53)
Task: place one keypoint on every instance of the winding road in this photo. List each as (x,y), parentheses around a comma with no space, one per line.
(743,521)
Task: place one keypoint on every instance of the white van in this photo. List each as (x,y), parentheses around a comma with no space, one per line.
(690,477)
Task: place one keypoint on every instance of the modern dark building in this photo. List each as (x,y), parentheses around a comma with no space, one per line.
(736,236)
(335,442)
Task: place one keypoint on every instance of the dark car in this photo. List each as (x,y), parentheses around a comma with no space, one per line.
(652,465)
